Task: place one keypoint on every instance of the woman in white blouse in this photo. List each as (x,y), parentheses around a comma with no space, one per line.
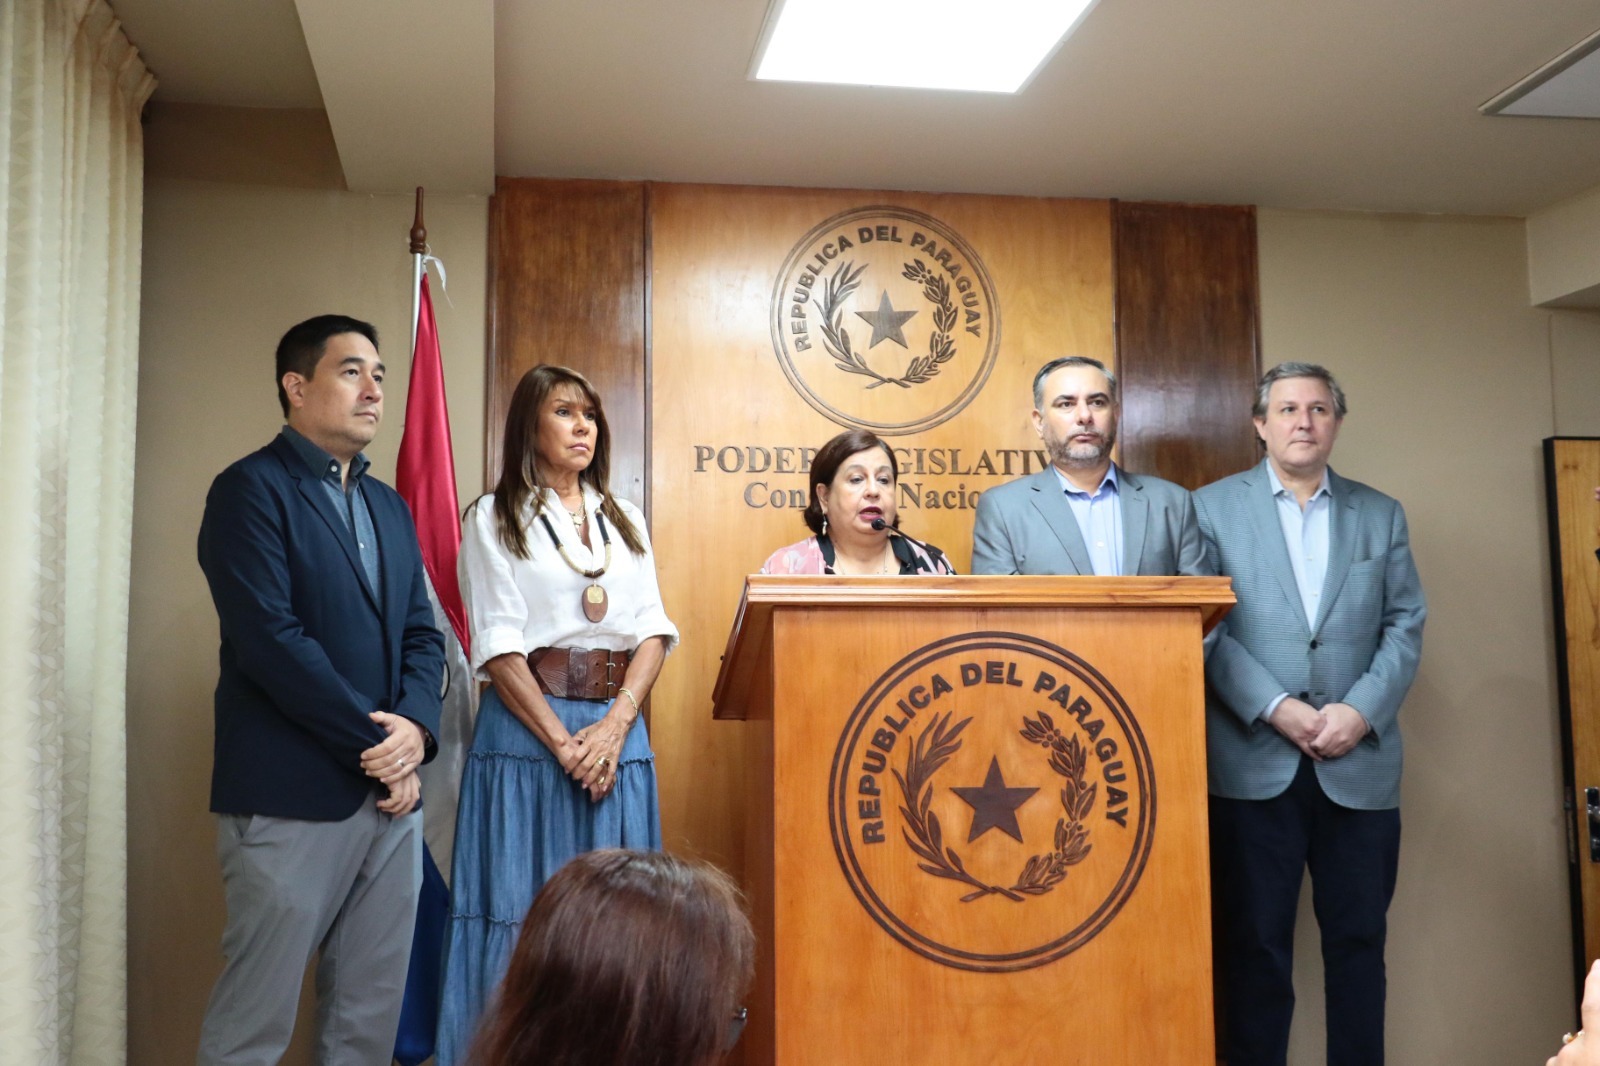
(567,625)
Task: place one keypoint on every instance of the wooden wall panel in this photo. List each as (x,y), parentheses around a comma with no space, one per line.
(723,407)
(567,270)
(1572,469)
(663,295)
(1187,339)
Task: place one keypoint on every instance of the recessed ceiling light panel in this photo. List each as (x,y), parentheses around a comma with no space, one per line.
(1566,87)
(995,46)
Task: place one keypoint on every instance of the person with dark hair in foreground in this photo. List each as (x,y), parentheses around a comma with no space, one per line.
(626,958)
(853,516)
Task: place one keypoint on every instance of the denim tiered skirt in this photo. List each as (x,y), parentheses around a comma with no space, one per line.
(520,819)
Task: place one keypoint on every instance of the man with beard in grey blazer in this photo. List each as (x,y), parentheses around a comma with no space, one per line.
(1084,515)
(1305,678)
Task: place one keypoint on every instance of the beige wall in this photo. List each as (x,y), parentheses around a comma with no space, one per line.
(1448,372)
(1453,381)
(227,268)
(1563,253)
(1575,367)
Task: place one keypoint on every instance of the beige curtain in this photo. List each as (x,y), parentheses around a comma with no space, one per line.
(71,189)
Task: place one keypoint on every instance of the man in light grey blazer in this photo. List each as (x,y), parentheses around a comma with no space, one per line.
(1084,515)
(1305,677)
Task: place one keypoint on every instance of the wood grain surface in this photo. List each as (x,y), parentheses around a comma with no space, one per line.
(1574,467)
(1137,990)
(722,408)
(567,265)
(1187,339)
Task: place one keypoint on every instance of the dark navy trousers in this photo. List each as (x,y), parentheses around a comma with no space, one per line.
(1259,852)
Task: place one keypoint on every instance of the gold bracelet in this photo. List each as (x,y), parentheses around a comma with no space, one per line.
(631,699)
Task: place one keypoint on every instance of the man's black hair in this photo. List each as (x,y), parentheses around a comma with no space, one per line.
(301,348)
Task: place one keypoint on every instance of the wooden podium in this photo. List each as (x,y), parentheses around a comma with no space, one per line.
(977,818)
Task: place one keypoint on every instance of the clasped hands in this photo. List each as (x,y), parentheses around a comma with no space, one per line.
(1324,734)
(394,762)
(590,755)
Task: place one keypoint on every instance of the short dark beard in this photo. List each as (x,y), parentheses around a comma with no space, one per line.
(1060,454)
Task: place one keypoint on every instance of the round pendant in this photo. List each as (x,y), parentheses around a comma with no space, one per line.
(594,603)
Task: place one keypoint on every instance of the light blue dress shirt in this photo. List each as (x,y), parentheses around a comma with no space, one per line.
(1099,516)
(1305,535)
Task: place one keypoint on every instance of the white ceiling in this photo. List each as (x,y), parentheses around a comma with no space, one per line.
(239,53)
(1358,105)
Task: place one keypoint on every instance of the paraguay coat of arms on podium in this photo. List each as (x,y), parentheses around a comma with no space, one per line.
(992,801)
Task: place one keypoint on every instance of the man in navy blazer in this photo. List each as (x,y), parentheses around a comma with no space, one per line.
(326,704)
(1306,675)
(1085,514)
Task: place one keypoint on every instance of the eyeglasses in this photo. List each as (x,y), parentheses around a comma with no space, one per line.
(736,1027)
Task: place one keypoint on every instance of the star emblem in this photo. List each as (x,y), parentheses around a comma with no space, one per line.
(994,806)
(886,322)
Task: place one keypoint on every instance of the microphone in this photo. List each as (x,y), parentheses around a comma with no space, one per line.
(879,525)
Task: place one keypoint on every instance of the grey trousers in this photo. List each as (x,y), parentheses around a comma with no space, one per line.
(346,890)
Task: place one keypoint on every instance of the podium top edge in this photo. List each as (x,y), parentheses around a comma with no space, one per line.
(987,591)
(769,595)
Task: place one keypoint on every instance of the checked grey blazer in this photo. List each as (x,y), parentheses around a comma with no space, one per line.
(1026,527)
(1363,649)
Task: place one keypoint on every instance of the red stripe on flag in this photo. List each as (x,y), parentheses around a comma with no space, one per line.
(426,473)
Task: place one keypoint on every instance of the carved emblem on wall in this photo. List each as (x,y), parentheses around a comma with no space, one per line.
(885,296)
(992,801)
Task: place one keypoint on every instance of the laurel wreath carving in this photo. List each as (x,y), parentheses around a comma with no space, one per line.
(941,348)
(844,281)
(835,290)
(1068,757)
(936,745)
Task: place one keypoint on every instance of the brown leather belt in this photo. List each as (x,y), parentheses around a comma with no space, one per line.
(578,673)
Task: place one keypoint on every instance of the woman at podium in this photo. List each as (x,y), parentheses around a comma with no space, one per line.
(567,624)
(853,517)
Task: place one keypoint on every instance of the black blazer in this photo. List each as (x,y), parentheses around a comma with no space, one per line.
(307,653)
